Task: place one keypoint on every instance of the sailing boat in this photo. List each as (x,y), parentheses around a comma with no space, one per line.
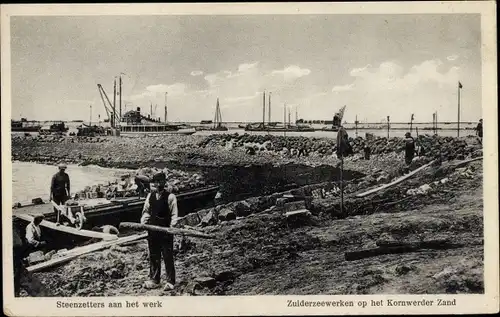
(217,121)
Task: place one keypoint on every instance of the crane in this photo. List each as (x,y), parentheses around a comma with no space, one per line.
(110,111)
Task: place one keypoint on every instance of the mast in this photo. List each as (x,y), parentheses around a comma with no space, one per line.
(296,114)
(263,108)
(284,119)
(269,110)
(166,107)
(113,123)
(120,120)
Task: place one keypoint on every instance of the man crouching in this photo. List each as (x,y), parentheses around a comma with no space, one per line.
(160,209)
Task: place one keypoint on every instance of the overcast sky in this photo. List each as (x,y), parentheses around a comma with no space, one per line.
(377,65)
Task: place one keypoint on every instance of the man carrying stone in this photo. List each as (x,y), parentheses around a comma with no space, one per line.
(60,188)
(160,209)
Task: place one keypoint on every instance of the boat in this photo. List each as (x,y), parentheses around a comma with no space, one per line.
(217,121)
(100,211)
(134,123)
(260,127)
(24,125)
(337,121)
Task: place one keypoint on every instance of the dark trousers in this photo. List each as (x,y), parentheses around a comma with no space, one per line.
(161,245)
(59,199)
(409,158)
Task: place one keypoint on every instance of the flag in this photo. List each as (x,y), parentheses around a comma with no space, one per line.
(460,85)
(412,117)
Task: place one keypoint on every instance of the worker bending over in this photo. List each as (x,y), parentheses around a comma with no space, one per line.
(160,209)
(143,184)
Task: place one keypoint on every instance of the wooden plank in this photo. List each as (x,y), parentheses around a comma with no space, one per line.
(176,231)
(70,230)
(397,181)
(73,254)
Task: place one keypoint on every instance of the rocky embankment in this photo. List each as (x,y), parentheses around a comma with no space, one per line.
(229,149)
(262,250)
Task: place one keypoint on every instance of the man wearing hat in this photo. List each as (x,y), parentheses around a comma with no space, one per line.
(59,187)
(409,148)
(160,209)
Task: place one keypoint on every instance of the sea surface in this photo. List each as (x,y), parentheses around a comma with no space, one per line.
(31,180)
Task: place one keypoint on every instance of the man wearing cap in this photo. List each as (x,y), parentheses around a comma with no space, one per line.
(59,188)
(160,209)
(34,233)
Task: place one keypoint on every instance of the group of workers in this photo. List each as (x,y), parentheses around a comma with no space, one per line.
(160,209)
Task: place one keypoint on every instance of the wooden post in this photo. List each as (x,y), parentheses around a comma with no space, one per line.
(90,119)
(388,126)
(458,119)
(342,183)
(356,124)
(436,122)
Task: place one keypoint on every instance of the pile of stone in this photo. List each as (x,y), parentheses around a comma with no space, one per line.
(125,186)
(429,146)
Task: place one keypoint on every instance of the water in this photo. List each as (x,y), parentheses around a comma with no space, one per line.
(352,133)
(31,180)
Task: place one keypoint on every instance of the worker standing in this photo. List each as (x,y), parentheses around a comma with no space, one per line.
(60,188)
(409,148)
(34,233)
(160,209)
(479,131)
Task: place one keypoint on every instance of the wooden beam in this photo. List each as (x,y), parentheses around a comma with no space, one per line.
(70,230)
(175,231)
(74,253)
(397,181)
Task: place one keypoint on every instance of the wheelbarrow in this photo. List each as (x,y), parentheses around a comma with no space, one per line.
(75,214)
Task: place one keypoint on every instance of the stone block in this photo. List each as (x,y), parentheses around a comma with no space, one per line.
(226,215)
(190,220)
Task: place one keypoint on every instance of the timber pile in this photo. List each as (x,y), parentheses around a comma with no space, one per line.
(74,253)
(397,247)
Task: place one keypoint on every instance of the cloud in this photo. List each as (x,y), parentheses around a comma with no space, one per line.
(196,73)
(359,71)
(172,90)
(452,57)
(247,66)
(292,72)
(342,88)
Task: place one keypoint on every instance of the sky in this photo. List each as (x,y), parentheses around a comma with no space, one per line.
(377,65)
